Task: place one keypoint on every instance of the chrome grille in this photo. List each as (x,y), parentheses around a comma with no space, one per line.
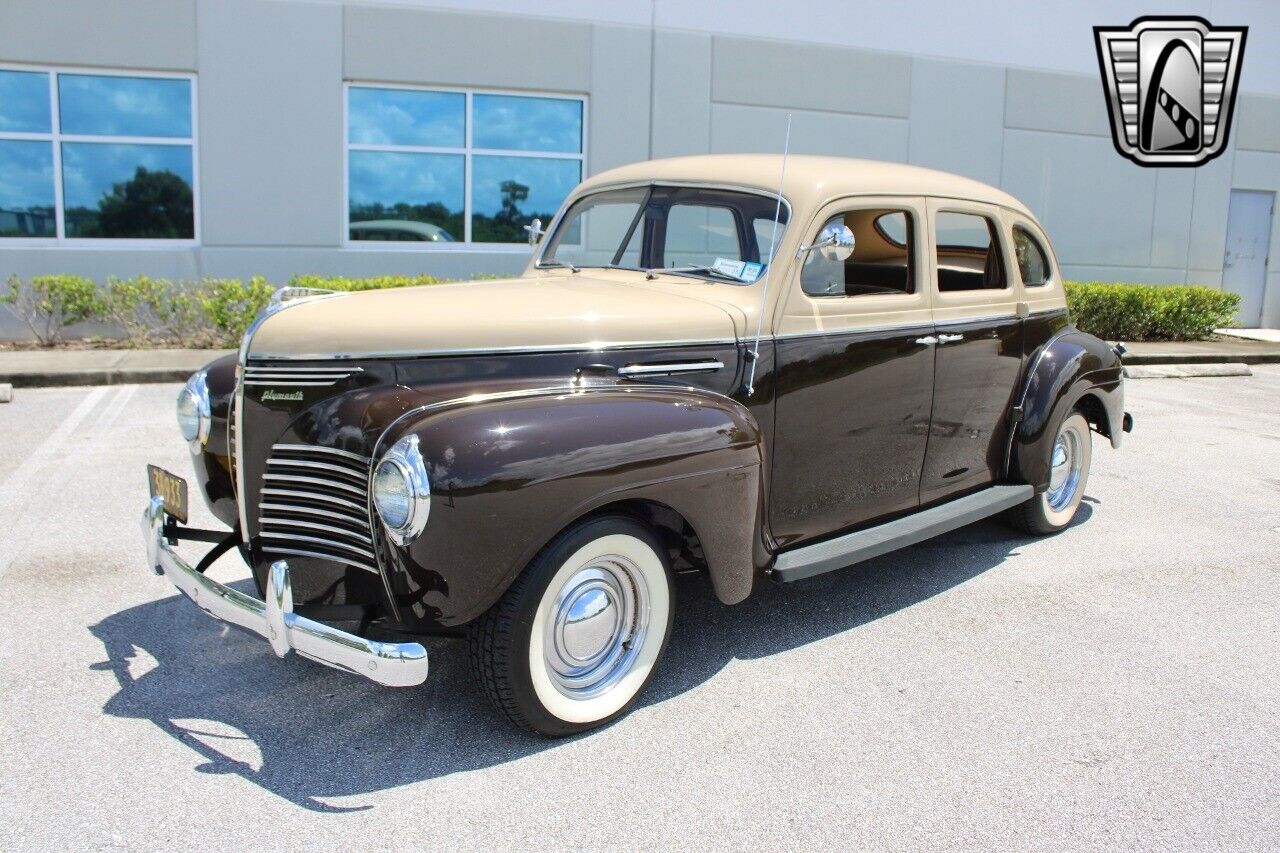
(280,375)
(315,504)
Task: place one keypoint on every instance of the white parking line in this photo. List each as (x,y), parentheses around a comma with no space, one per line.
(48,457)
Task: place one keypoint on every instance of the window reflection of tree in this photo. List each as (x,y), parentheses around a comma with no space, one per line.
(152,204)
(507,225)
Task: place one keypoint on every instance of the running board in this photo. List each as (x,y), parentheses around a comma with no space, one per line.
(810,560)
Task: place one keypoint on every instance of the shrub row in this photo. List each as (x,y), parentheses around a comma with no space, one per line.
(214,312)
(211,312)
(1149,312)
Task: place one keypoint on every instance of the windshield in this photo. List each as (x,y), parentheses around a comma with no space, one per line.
(714,234)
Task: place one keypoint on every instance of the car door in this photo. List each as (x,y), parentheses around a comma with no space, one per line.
(978,360)
(854,374)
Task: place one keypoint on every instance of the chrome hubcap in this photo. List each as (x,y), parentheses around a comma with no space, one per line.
(1064,472)
(598,624)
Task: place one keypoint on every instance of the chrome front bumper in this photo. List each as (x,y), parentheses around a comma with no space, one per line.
(390,664)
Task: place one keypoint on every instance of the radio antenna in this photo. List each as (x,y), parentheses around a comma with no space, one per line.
(754,355)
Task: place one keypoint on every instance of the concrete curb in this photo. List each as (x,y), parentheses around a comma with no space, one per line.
(1185,371)
(6,393)
(117,376)
(1132,358)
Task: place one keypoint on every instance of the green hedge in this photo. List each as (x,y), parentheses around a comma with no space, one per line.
(1148,312)
(214,312)
(211,312)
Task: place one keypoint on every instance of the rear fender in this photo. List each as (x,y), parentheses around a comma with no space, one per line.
(1073,369)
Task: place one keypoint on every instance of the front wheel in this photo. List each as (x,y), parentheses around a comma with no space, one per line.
(576,638)
(1069,458)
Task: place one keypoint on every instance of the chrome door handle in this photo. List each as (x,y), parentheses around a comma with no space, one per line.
(927,341)
(949,339)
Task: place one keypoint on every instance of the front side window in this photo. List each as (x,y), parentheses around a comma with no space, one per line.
(121,147)
(968,253)
(707,233)
(1033,263)
(881,262)
(457,167)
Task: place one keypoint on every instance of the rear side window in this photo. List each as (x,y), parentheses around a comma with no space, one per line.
(1033,263)
(881,259)
(968,253)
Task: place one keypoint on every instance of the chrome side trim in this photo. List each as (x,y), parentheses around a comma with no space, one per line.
(905,328)
(588,346)
(968,321)
(389,664)
(669,368)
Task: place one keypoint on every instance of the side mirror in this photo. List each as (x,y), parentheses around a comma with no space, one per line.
(535,231)
(835,242)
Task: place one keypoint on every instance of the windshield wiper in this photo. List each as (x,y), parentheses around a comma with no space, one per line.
(653,273)
(542,265)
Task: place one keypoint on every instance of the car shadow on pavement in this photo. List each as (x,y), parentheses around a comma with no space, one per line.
(308,733)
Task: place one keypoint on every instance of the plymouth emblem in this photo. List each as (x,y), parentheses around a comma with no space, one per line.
(271,395)
(1170,85)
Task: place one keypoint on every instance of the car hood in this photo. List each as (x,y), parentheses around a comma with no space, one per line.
(550,312)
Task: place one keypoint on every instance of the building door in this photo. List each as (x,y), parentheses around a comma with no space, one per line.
(1244,265)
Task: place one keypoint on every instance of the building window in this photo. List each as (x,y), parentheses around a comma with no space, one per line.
(448,167)
(96,156)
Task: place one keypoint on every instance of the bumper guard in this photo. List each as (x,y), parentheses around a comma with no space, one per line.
(389,664)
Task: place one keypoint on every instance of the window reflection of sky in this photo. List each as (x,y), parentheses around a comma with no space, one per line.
(406,117)
(380,177)
(124,106)
(24,102)
(26,175)
(90,170)
(527,124)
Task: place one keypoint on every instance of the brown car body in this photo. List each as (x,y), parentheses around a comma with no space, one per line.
(519,394)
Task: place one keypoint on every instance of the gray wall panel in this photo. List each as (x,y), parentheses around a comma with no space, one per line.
(740,130)
(420,46)
(1208,236)
(1096,206)
(768,73)
(1171,223)
(1257,123)
(270,123)
(681,94)
(957,114)
(147,34)
(1137,275)
(1070,103)
(619,109)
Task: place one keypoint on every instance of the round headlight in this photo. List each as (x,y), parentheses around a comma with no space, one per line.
(401,491)
(193,409)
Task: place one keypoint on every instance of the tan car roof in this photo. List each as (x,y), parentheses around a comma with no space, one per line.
(810,180)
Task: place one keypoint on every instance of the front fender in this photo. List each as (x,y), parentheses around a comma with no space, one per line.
(509,472)
(1072,369)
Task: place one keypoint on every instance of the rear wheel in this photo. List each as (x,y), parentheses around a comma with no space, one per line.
(1069,459)
(577,637)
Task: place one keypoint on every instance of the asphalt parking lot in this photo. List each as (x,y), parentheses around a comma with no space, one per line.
(1114,687)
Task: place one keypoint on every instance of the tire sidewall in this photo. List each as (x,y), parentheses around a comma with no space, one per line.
(549,711)
(1059,519)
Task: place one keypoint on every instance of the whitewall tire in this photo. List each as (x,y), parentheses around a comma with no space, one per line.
(1070,456)
(577,637)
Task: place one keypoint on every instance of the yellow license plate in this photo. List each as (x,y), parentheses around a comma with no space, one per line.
(172,488)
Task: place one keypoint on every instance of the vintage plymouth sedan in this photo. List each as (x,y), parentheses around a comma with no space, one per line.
(711,364)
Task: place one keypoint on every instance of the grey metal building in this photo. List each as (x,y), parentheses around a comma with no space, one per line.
(188,138)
